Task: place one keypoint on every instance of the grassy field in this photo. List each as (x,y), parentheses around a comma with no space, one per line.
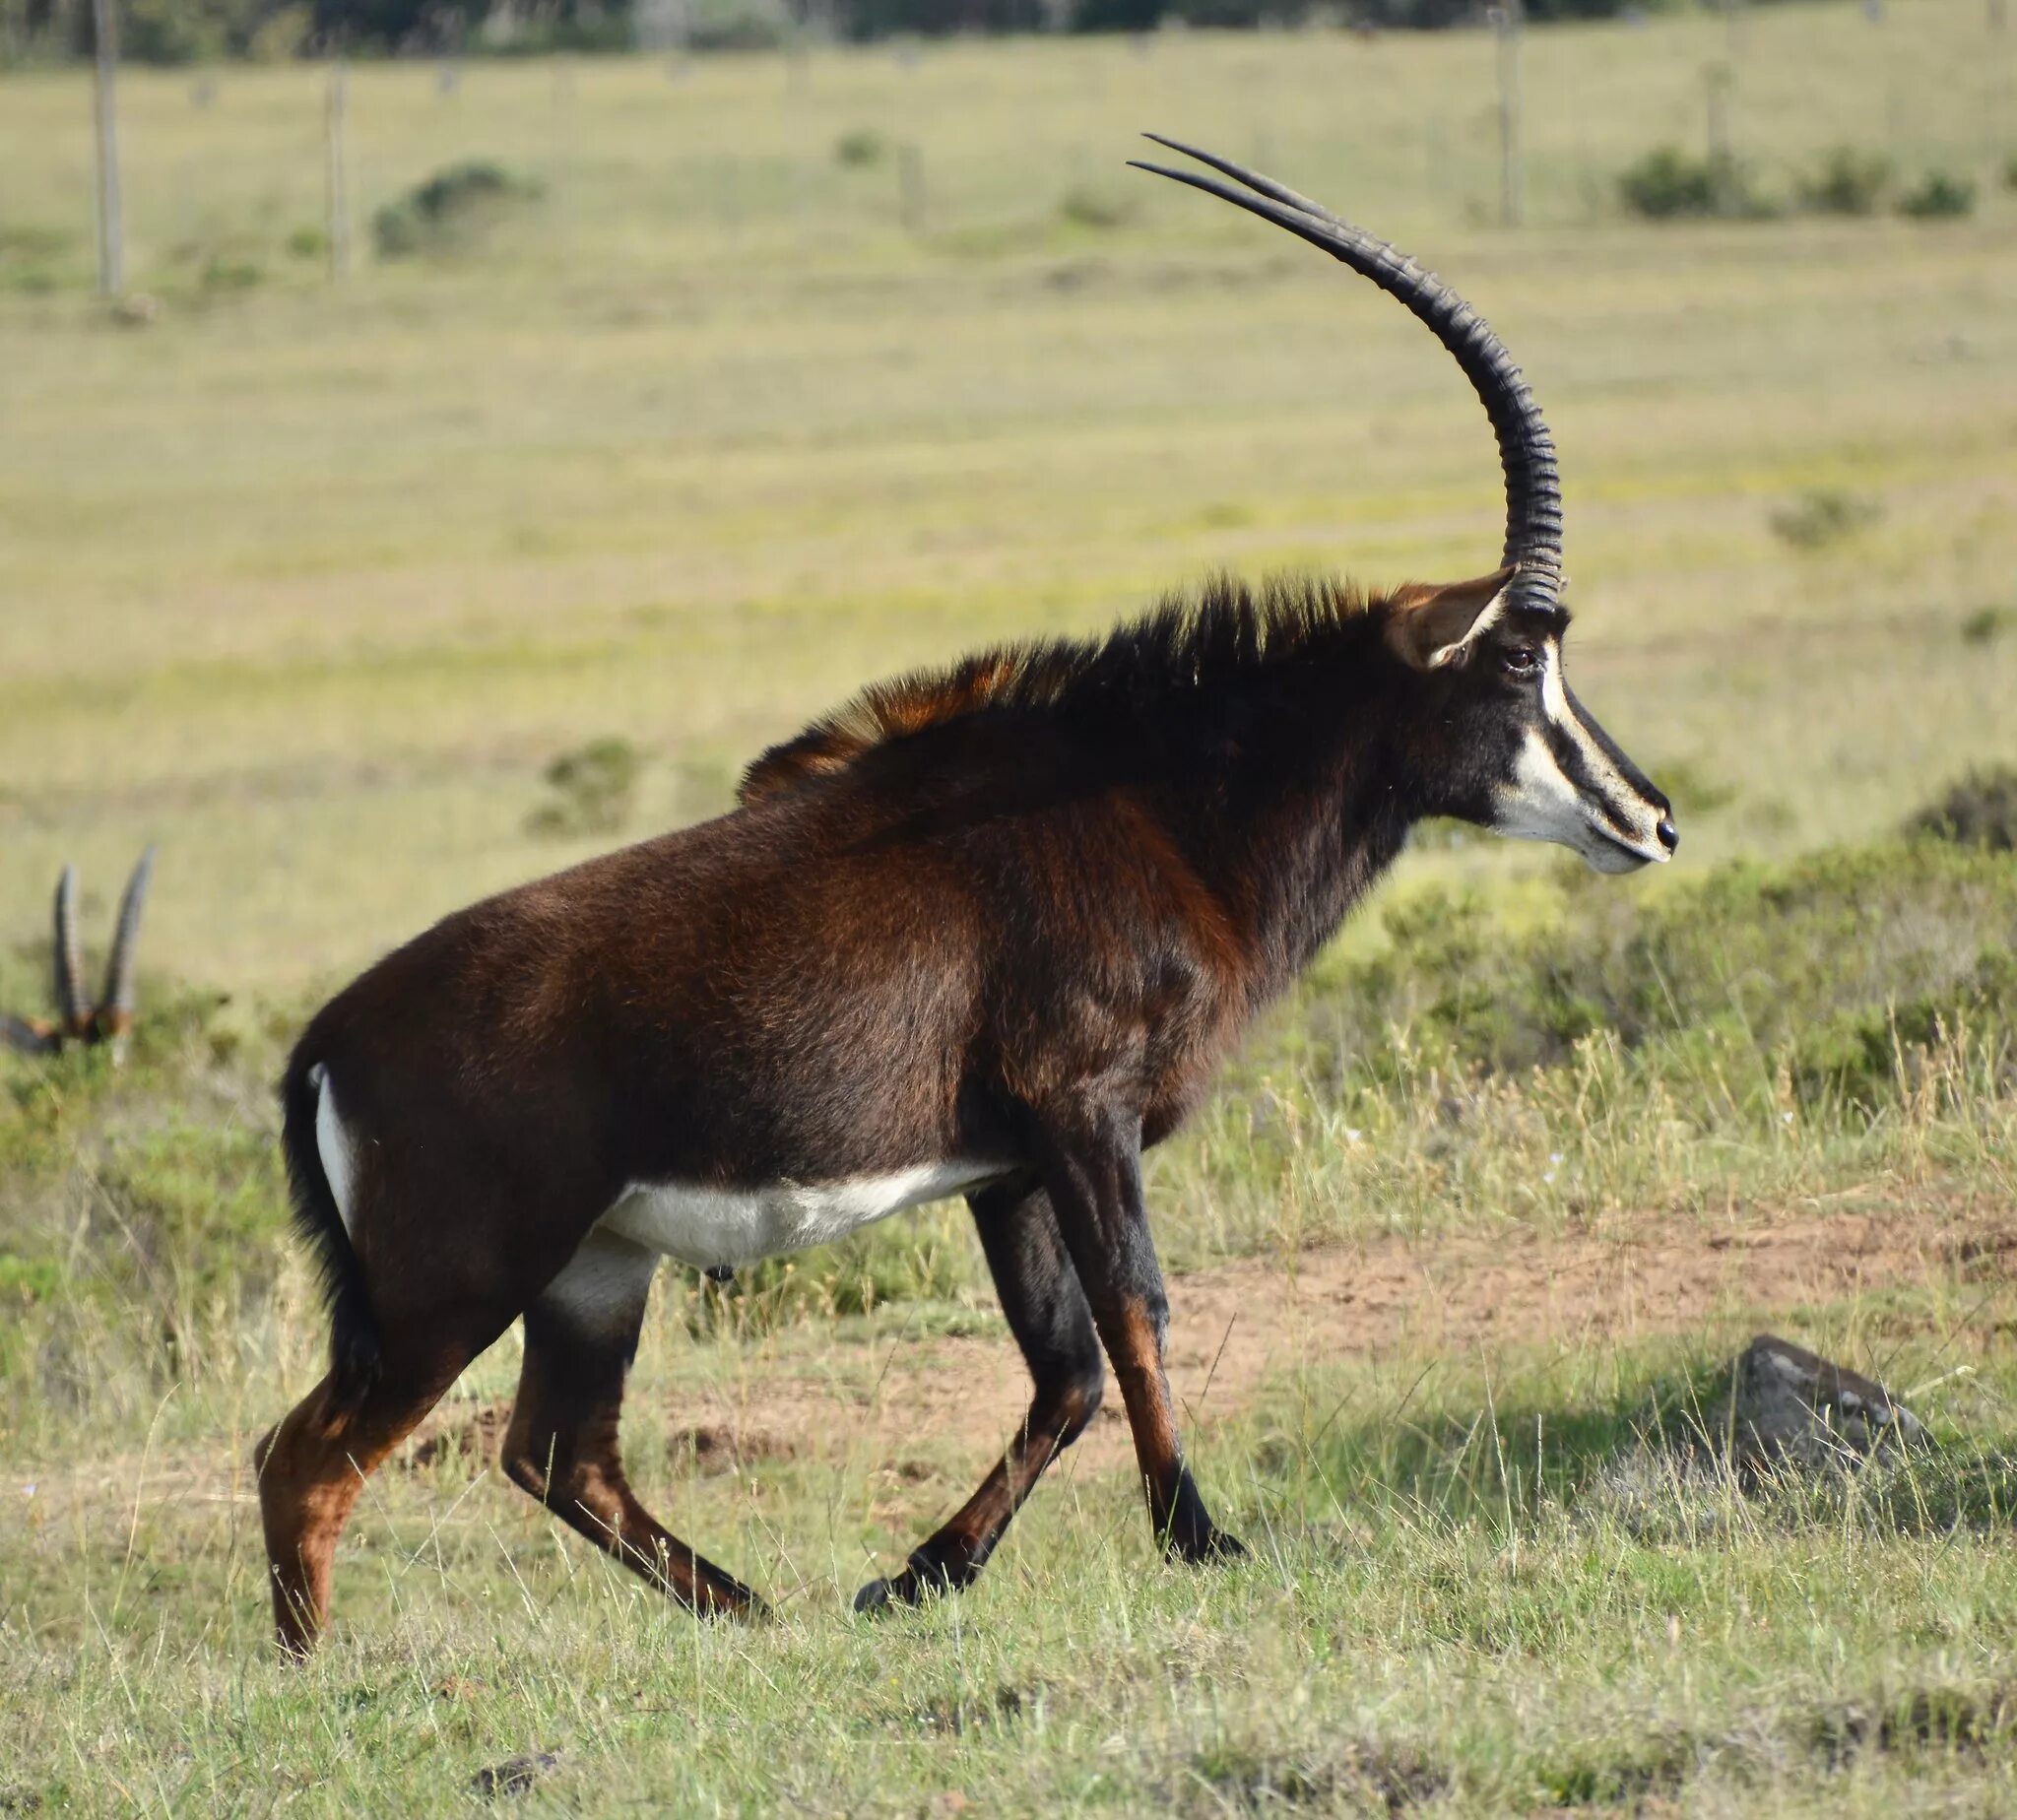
(311,583)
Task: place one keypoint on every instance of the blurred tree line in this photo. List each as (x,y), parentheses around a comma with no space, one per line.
(192,30)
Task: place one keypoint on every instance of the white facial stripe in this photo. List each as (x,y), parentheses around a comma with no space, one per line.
(333,1145)
(707,1226)
(1543,803)
(1561,713)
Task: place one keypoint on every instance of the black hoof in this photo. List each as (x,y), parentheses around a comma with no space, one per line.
(1215,1545)
(922,1579)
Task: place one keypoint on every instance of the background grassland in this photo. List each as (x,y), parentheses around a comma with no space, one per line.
(312,583)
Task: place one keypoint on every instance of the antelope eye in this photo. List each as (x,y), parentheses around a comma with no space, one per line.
(1519,660)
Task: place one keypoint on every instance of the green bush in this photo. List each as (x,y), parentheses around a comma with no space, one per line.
(1849,182)
(1824,516)
(1980,811)
(1819,962)
(1987,623)
(592,788)
(1669,184)
(860,147)
(1941,196)
(1084,206)
(449,208)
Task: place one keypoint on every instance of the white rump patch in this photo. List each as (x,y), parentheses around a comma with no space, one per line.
(333,1145)
(729,1226)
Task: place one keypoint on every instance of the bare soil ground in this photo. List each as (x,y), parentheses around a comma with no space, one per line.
(1238,1325)
(1234,1329)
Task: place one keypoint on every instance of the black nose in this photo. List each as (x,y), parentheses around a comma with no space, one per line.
(1669,835)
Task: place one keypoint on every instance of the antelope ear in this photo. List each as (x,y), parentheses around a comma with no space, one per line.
(1431,627)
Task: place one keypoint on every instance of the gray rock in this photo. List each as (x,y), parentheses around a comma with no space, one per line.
(1791,1406)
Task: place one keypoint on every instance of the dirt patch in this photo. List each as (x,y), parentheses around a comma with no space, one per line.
(1236,1326)
(711,1448)
(455,1431)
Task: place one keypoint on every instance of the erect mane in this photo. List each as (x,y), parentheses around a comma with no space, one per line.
(1188,643)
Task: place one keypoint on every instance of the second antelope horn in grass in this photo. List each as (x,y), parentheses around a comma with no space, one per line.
(1526,452)
(68,955)
(119,972)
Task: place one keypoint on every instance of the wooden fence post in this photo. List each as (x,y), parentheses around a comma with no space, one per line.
(335,184)
(105,116)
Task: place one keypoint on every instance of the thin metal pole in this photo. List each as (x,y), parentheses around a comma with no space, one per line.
(105,115)
(335,175)
(1512,179)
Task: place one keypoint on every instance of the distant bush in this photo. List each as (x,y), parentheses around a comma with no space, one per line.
(1980,811)
(593,787)
(1827,962)
(1086,206)
(861,146)
(1987,623)
(1849,182)
(448,209)
(1824,516)
(1939,197)
(1669,184)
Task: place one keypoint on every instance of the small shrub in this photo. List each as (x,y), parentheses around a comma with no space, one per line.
(1942,196)
(860,147)
(1823,517)
(1102,209)
(2010,172)
(307,244)
(594,788)
(447,210)
(1669,184)
(1980,811)
(1849,182)
(1987,623)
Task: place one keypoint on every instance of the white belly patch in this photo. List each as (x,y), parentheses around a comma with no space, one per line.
(709,1227)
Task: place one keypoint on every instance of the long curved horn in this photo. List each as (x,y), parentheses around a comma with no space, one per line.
(1526,452)
(118,1007)
(71,1005)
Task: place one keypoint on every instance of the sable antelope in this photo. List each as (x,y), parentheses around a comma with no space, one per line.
(984,931)
(78,1019)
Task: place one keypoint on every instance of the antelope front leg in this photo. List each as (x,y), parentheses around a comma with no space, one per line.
(1092,1169)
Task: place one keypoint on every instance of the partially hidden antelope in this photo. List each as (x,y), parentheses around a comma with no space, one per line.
(80,1019)
(982,932)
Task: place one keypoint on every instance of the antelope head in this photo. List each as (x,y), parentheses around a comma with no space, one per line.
(79,1019)
(1503,742)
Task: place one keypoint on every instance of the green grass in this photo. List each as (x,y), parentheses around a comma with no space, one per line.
(317,584)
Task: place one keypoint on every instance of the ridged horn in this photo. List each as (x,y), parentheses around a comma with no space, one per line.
(71,1005)
(118,1000)
(1526,452)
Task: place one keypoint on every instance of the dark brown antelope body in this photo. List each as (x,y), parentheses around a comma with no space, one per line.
(986,932)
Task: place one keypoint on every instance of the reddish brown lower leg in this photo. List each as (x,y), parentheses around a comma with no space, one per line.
(311,1468)
(563,1444)
(1093,1173)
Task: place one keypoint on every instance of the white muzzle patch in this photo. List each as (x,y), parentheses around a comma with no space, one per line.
(1599,814)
